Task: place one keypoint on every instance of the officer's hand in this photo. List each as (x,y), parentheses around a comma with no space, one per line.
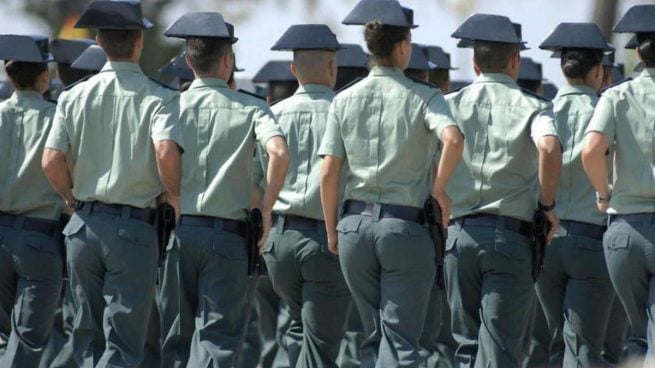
(266,228)
(333,244)
(446,204)
(551,216)
(602,206)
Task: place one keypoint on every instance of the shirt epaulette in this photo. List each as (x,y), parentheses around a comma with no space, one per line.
(614,85)
(162,84)
(530,93)
(352,83)
(251,94)
(77,82)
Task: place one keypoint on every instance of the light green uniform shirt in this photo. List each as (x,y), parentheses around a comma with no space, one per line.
(221,128)
(576,197)
(625,114)
(25,120)
(303,117)
(109,123)
(386,128)
(499,167)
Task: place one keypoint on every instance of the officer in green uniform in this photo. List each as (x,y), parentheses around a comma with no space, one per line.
(352,64)
(92,59)
(575,290)
(530,76)
(65,53)
(31,261)
(419,66)
(303,272)
(279,80)
(440,74)
(205,278)
(622,123)
(124,158)
(511,157)
(387,128)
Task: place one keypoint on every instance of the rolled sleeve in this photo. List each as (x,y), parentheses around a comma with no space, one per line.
(543,124)
(266,127)
(332,143)
(58,138)
(438,115)
(165,124)
(603,120)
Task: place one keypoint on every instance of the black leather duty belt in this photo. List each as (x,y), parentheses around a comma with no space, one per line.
(583,229)
(43,226)
(518,226)
(144,214)
(293,222)
(232,226)
(378,211)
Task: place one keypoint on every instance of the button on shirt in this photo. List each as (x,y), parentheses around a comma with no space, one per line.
(109,124)
(302,117)
(499,167)
(25,120)
(576,198)
(386,128)
(221,128)
(625,115)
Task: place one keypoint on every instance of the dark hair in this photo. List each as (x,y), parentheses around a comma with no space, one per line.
(576,63)
(381,39)
(493,56)
(281,90)
(118,43)
(440,77)
(531,85)
(417,74)
(204,52)
(68,75)
(646,42)
(347,75)
(24,74)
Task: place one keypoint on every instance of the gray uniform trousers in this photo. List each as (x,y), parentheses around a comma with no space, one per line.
(490,292)
(308,278)
(577,296)
(614,347)
(389,266)
(274,321)
(59,353)
(203,300)
(629,245)
(112,265)
(349,355)
(31,267)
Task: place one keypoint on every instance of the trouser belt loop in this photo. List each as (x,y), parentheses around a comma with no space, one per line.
(375,212)
(281,222)
(126,212)
(19,222)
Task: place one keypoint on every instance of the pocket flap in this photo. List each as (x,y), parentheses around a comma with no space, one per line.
(618,240)
(349,224)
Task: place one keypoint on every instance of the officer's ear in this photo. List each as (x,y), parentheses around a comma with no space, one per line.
(294,70)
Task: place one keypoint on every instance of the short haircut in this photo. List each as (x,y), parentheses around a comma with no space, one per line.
(118,43)
(204,53)
(24,74)
(381,39)
(439,77)
(313,64)
(281,90)
(646,46)
(493,56)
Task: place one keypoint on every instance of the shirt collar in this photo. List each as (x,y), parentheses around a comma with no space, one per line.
(648,72)
(495,78)
(28,94)
(313,89)
(378,71)
(576,90)
(208,82)
(121,66)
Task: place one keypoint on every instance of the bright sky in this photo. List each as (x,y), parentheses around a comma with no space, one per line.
(437,19)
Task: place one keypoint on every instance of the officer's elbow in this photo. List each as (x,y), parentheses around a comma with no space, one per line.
(452,139)
(277,149)
(51,160)
(167,151)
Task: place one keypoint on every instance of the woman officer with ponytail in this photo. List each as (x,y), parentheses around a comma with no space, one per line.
(387,127)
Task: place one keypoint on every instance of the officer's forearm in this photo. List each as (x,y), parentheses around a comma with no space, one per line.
(169,165)
(594,163)
(330,178)
(278,164)
(453,146)
(54,166)
(550,167)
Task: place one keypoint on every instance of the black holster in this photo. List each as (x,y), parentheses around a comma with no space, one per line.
(165,224)
(255,229)
(541,227)
(438,235)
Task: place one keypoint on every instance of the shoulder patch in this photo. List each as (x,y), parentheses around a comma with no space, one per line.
(614,85)
(78,82)
(420,81)
(251,94)
(530,93)
(162,84)
(352,83)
